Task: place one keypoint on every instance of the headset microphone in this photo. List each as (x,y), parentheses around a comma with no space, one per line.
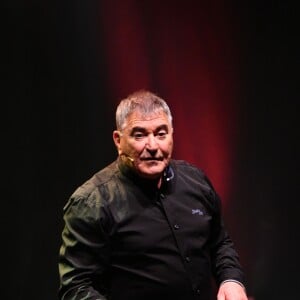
(128,157)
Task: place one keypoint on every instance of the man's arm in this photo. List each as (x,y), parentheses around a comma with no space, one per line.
(83,256)
(226,266)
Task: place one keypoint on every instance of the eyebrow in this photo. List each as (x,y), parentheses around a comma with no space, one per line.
(142,129)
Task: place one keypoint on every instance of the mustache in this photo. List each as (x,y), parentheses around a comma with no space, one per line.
(144,157)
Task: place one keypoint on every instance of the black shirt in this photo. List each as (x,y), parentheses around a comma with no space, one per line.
(126,239)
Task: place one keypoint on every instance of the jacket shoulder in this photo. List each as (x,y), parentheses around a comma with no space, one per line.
(93,191)
(187,168)
(196,179)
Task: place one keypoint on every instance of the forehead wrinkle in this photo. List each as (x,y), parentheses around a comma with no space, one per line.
(138,117)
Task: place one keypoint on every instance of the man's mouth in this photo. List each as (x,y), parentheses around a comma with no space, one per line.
(152,158)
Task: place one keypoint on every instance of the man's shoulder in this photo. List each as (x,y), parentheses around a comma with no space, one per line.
(193,173)
(97,181)
(93,192)
(193,178)
(185,166)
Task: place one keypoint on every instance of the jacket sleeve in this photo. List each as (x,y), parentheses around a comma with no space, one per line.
(83,255)
(225,259)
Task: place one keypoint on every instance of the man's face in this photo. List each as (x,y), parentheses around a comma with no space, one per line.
(146,142)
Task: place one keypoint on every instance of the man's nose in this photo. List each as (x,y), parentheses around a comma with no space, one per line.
(151,142)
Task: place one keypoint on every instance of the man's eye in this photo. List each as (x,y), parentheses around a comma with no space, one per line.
(162,134)
(138,135)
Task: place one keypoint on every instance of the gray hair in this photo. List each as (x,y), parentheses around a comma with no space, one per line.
(143,101)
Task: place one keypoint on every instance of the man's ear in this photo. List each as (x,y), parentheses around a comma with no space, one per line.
(117,140)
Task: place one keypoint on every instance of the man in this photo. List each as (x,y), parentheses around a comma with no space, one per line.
(147,226)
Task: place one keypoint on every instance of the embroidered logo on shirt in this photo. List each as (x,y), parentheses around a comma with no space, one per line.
(198,212)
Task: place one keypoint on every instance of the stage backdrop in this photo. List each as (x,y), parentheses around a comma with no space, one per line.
(228,71)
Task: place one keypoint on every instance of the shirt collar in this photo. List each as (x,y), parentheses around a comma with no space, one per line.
(126,170)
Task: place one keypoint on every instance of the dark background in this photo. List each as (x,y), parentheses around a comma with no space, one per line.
(67,64)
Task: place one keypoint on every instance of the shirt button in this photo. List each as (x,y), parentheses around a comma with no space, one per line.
(198,291)
(162,196)
(187,259)
(176,226)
